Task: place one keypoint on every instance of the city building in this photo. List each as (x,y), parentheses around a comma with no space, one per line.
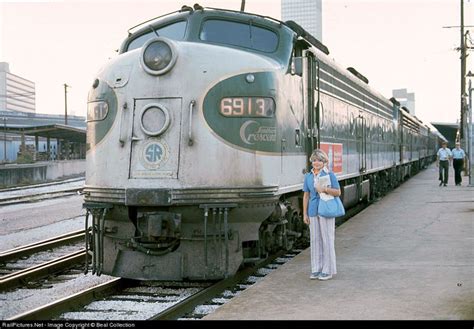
(17,94)
(23,130)
(406,99)
(307,13)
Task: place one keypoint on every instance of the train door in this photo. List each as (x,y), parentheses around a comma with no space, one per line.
(313,103)
(361,142)
(401,139)
(411,145)
(155,138)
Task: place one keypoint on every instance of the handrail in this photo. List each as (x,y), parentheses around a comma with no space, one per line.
(122,133)
(190,131)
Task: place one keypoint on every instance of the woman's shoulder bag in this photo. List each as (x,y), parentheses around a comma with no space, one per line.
(331,208)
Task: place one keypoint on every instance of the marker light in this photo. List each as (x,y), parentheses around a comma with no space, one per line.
(97,111)
(158,56)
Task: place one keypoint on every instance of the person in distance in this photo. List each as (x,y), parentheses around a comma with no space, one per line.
(443,157)
(458,163)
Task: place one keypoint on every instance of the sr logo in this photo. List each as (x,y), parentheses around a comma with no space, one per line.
(154,154)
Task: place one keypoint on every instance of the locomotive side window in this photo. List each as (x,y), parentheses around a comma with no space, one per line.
(239,34)
(173,31)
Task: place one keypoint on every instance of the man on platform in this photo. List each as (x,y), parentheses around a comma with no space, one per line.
(458,163)
(444,156)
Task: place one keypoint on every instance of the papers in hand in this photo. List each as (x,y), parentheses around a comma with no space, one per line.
(323,182)
(325,196)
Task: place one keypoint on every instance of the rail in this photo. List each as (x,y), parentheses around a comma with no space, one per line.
(33,273)
(46,244)
(188,304)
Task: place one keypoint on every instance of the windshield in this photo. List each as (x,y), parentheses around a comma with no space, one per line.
(239,34)
(173,31)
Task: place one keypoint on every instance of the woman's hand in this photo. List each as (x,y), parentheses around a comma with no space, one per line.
(306,219)
(321,189)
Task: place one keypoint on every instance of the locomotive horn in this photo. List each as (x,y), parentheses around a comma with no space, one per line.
(186,8)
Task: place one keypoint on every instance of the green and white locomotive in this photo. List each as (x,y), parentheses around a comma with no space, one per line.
(198,137)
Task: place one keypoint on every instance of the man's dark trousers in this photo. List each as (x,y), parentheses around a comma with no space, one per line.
(458,165)
(444,171)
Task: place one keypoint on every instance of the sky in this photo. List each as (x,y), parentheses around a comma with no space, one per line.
(394,43)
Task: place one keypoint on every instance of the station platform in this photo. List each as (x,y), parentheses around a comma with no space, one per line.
(409,256)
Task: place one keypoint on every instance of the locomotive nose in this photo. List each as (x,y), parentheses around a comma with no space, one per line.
(158,56)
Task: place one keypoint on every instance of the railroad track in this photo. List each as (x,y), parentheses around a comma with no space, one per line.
(16,274)
(28,276)
(187,307)
(121,299)
(38,192)
(22,251)
(7,201)
(42,185)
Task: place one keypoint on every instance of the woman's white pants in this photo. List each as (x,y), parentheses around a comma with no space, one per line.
(323,253)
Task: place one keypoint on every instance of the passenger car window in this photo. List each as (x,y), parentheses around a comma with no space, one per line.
(173,31)
(239,34)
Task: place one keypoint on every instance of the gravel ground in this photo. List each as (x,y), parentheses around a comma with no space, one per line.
(132,307)
(19,301)
(14,238)
(27,223)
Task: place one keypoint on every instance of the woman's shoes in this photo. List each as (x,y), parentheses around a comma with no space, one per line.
(320,276)
(324,277)
(315,275)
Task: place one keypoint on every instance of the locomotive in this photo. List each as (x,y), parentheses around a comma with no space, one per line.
(198,138)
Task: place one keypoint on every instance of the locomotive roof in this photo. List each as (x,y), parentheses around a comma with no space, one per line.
(317,47)
(330,61)
(186,11)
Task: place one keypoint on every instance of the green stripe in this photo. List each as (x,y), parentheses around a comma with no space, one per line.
(96,130)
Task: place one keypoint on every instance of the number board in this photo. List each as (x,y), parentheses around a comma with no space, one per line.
(253,107)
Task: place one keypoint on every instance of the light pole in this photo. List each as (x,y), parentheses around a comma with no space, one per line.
(5,139)
(463,73)
(469,133)
(65,103)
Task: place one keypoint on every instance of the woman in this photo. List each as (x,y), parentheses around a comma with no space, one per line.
(322,229)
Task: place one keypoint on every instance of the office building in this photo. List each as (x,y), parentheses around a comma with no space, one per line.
(307,13)
(405,98)
(17,94)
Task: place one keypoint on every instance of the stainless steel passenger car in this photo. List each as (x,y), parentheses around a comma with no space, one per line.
(199,133)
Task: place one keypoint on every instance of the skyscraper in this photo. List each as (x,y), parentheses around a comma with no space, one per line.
(16,93)
(307,13)
(405,98)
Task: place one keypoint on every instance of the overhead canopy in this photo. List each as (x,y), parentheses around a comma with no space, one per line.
(69,133)
(448,130)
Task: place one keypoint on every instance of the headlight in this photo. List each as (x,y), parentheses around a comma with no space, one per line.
(158,56)
(97,111)
(155,119)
